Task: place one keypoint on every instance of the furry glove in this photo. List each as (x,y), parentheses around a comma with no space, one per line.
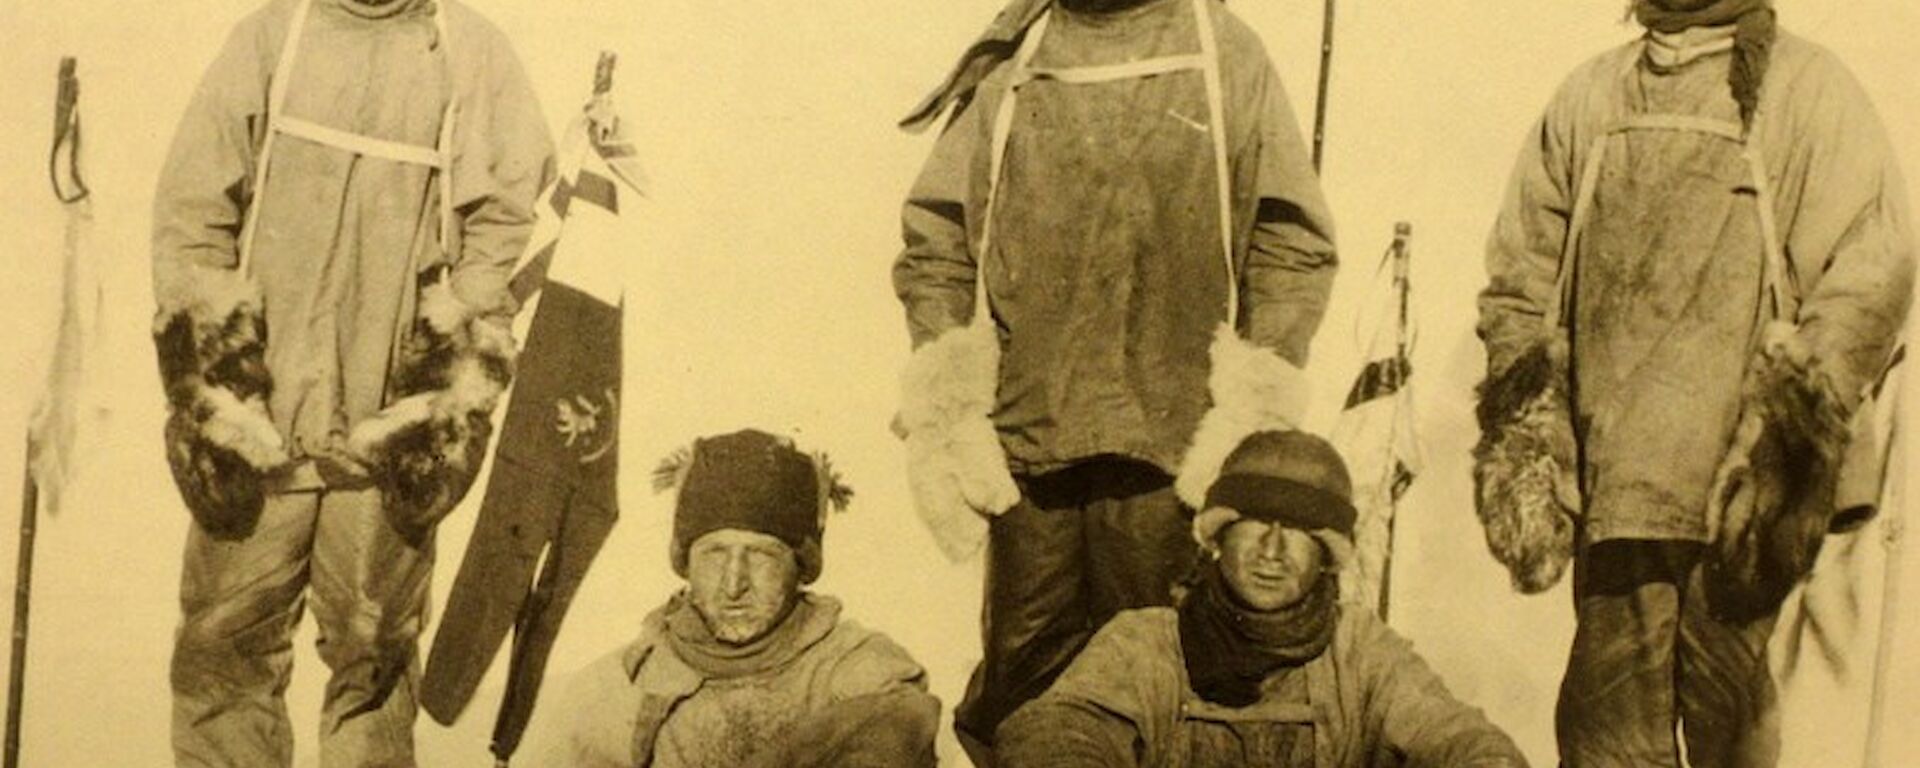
(426,447)
(956,467)
(1525,468)
(210,337)
(1773,495)
(1253,390)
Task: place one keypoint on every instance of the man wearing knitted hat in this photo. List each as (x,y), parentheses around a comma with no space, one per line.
(1700,270)
(1258,665)
(744,667)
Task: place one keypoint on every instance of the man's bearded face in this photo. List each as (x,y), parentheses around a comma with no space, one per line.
(742,583)
(1269,566)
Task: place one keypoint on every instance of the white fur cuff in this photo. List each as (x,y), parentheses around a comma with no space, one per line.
(1253,390)
(955,464)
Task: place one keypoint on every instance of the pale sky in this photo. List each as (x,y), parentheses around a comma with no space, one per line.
(758,296)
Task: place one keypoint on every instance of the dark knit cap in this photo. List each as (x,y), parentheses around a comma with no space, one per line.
(752,481)
(1292,478)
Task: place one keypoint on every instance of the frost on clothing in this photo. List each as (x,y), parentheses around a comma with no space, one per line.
(848,697)
(341,238)
(1668,274)
(1366,700)
(1106,279)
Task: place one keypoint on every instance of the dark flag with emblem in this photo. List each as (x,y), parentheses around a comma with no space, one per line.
(1375,430)
(551,499)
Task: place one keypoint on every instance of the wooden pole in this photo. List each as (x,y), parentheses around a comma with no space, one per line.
(1402,255)
(1896,543)
(66,136)
(22,594)
(1326,76)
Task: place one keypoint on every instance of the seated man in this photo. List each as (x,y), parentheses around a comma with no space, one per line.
(1259,665)
(744,667)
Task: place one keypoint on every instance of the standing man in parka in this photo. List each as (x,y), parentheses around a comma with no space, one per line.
(333,233)
(1702,264)
(1115,260)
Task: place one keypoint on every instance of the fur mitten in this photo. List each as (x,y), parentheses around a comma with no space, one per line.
(1253,390)
(1773,495)
(210,337)
(956,466)
(426,447)
(1525,471)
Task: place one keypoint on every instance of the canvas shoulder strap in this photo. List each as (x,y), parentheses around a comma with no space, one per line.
(437,157)
(1778,281)
(1022,72)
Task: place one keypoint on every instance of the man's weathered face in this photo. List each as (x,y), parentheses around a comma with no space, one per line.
(1269,566)
(742,583)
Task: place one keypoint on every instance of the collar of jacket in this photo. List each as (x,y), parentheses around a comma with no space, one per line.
(825,615)
(380,9)
(1106,11)
(1672,50)
(998,43)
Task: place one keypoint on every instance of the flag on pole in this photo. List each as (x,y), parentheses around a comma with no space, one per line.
(55,421)
(1375,431)
(57,414)
(1839,622)
(551,499)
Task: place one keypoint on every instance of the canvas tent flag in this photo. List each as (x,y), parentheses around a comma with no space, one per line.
(551,499)
(1375,431)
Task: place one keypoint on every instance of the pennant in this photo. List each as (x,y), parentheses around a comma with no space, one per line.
(1375,432)
(552,497)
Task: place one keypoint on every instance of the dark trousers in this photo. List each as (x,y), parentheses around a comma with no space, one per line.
(1083,544)
(1655,647)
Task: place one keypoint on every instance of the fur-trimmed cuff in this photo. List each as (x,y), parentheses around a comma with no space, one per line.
(1525,472)
(210,338)
(1773,495)
(425,448)
(956,466)
(1253,390)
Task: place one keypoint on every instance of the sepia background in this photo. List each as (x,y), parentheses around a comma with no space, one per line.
(758,295)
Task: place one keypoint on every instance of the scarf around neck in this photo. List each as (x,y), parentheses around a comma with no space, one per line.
(687,634)
(1230,649)
(380,9)
(1754,33)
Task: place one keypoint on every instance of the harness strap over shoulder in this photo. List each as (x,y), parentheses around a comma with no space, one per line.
(438,157)
(1207,62)
(1781,286)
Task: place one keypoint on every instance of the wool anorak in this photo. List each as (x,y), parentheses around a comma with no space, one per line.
(832,694)
(1105,273)
(1366,700)
(1667,285)
(341,239)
